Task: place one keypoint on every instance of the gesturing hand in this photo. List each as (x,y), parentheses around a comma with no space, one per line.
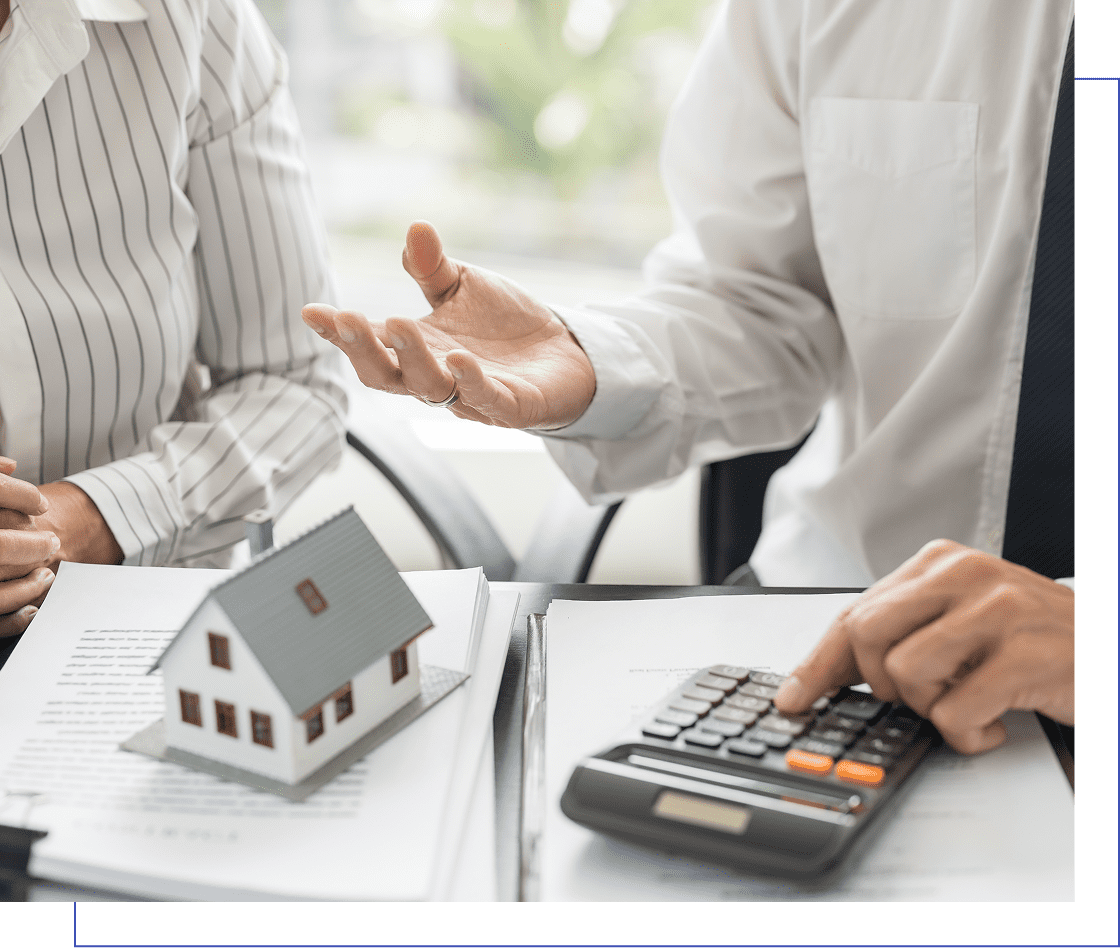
(513,363)
(25,551)
(959,636)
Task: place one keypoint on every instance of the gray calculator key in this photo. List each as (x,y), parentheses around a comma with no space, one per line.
(876,745)
(820,704)
(866,757)
(771,738)
(754,690)
(888,731)
(813,746)
(767,678)
(747,747)
(783,725)
(841,721)
(664,731)
(679,718)
(691,705)
(738,715)
(860,706)
(726,728)
(717,682)
(730,671)
(697,693)
(834,735)
(747,703)
(703,738)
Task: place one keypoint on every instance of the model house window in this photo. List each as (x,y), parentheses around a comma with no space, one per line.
(219,650)
(314,724)
(398,664)
(311,597)
(188,703)
(343,702)
(262,728)
(227,718)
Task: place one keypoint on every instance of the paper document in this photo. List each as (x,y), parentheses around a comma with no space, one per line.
(997,827)
(391,827)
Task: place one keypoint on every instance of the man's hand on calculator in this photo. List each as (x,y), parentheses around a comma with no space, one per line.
(956,634)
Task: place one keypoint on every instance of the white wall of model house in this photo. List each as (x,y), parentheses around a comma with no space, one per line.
(247,686)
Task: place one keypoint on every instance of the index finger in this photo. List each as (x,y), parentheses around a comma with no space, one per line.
(19,495)
(832,663)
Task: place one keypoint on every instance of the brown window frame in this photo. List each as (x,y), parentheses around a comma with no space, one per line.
(219,650)
(261,727)
(343,702)
(314,715)
(221,709)
(398,663)
(312,598)
(190,707)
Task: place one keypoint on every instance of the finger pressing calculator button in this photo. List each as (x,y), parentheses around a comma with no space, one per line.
(697,693)
(738,715)
(703,738)
(730,671)
(679,718)
(753,690)
(726,728)
(718,682)
(747,703)
(691,705)
(853,771)
(658,729)
(861,706)
(811,763)
(747,747)
(767,678)
(771,738)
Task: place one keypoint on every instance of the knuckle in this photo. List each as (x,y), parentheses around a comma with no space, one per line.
(967,566)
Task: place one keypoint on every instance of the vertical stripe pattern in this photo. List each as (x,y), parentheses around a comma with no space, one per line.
(159,236)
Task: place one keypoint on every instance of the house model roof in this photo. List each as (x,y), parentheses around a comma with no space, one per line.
(369,610)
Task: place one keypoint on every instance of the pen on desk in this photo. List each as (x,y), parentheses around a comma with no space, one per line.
(532,762)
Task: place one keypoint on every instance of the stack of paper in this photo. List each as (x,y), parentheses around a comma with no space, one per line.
(413,820)
(996,827)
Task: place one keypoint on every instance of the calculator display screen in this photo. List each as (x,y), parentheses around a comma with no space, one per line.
(715,814)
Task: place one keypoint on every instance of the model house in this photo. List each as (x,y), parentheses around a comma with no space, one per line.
(292,660)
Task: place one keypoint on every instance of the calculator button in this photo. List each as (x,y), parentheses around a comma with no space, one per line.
(711,695)
(804,760)
(726,728)
(861,706)
(691,705)
(890,731)
(876,745)
(739,716)
(747,747)
(703,738)
(767,678)
(820,704)
(718,682)
(771,738)
(866,757)
(834,734)
(730,671)
(753,690)
(783,725)
(853,771)
(679,718)
(821,748)
(747,703)
(832,719)
(658,729)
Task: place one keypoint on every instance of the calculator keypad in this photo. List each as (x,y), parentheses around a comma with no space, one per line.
(847,735)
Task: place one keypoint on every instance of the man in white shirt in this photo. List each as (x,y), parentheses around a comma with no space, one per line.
(157,237)
(857,189)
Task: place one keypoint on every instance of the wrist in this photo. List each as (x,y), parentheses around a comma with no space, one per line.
(74,518)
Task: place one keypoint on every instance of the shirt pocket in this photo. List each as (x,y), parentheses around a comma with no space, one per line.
(892,189)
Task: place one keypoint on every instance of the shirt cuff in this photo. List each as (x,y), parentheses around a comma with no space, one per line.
(627,384)
(137,506)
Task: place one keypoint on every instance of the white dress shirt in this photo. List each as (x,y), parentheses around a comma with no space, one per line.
(157,240)
(857,189)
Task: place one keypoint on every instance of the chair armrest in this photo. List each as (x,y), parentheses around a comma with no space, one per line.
(565,539)
(447,509)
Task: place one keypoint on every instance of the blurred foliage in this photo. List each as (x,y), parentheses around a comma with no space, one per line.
(566,113)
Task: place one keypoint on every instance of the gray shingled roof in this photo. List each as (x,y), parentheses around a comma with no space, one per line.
(370,609)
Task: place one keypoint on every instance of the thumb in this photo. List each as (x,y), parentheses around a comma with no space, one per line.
(425,262)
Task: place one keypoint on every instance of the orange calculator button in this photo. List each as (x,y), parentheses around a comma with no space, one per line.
(813,763)
(854,772)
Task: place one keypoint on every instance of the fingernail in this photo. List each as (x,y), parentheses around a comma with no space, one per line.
(347,335)
(321,330)
(47,579)
(28,612)
(458,373)
(398,342)
(791,691)
(56,545)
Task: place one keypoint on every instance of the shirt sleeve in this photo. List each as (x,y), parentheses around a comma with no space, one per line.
(262,414)
(735,346)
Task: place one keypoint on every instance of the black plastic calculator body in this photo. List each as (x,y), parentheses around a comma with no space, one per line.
(714,771)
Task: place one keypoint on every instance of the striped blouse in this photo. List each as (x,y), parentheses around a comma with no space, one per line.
(157,239)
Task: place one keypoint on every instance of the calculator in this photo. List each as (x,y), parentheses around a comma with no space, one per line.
(715,771)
